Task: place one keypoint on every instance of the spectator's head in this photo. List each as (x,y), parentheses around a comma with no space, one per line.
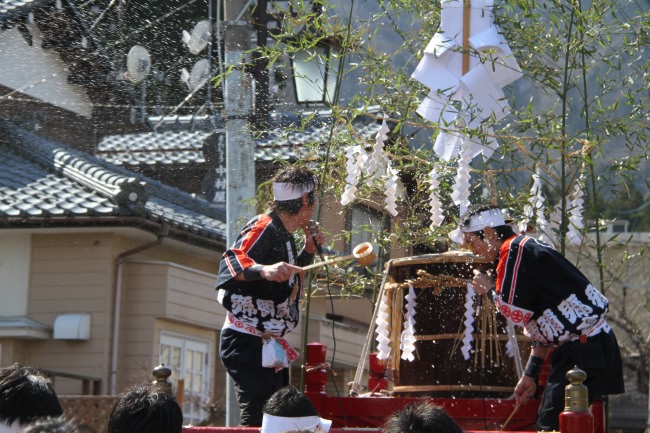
(420,417)
(290,410)
(25,395)
(145,410)
(55,425)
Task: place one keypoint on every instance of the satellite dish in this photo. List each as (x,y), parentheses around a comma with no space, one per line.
(138,64)
(199,38)
(199,75)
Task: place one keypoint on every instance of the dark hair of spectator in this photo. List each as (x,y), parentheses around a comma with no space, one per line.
(301,178)
(55,425)
(420,417)
(145,410)
(503,232)
(289,402)
(25,395)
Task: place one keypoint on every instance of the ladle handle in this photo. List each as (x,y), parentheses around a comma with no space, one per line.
(329,262)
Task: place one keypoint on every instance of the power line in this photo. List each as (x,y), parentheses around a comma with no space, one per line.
(101,16)
(156,21)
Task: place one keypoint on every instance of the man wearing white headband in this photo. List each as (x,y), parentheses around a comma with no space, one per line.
(260,284)
(289,410)
(539,289)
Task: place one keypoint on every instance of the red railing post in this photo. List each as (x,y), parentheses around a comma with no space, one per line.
(315,374)
(378,379)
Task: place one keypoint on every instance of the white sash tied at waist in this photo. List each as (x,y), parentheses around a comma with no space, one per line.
(237,325)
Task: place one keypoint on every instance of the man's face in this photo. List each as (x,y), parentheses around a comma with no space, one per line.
(307,210)
(486,247)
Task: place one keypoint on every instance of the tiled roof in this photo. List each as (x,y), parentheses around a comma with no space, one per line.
(44,181)
(153,148)
(183,143)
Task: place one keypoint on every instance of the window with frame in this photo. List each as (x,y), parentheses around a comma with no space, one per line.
(188,358)
(364,225)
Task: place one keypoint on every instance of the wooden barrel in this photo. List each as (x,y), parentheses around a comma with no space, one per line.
(439,368)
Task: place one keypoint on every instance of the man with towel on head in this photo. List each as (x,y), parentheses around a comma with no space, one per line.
(536,287)
(260,284)
(290,411)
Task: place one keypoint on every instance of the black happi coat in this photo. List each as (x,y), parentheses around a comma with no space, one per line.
(539,289)
(268,306)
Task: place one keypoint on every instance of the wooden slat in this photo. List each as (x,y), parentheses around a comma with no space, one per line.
(426,388)
(466,28)
(92,411)
(499,337)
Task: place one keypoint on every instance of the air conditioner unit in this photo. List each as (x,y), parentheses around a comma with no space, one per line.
(72,327)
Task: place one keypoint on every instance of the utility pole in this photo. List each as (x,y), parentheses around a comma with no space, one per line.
(240,147)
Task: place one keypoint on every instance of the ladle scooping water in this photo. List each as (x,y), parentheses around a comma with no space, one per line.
(363,253)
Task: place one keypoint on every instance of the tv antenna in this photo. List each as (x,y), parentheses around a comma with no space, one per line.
(199,38)
(138,64)
(198,76)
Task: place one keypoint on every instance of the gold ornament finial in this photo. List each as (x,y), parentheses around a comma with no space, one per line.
(576,395)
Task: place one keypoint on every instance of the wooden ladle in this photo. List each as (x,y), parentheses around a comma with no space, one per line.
(363,253)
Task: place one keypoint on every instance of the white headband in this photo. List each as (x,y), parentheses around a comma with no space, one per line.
(283,191)
(11,428)
(281,424)
(478,221)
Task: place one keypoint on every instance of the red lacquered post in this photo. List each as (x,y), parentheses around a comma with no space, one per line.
(315,371)
(377,380)
(576,417)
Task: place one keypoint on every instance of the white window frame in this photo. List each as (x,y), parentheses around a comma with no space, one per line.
(193,412)
(360,215)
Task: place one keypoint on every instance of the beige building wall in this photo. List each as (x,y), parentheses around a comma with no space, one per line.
(75,273)
(14,270)
(71,273)
(164,296)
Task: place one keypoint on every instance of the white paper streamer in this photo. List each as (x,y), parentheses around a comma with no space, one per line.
(469,97)
(383,329)
(575,206)
(491,65)
(534,211)
(353,154)
(391,189)
(512,348)
(468,337)
(460,193)
(358,162)
(435,205)
(552,227)
(377,156)
(447,145)
(407,339)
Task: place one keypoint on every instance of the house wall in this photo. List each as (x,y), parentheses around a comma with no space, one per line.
(357,308)
(217,372)
(71,273)
(75,273)
(164,296)
(14,272)
(12,351)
